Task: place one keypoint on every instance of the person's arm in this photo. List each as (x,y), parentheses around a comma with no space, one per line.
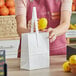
(21,24)
(65,17)
(64,22)
(21,16)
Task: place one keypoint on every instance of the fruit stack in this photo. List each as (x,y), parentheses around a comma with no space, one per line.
(72,27)
(70,66)
(74,5)
(8,29)
(7,7)
(8,26)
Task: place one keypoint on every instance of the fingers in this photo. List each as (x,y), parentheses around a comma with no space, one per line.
(29,24)
(23,30)
(52,35)
(53,38)
(27,30)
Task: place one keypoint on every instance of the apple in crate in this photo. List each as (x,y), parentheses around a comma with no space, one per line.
(73,7)
(4,11)
(12,11)
(2,3)
(10,3)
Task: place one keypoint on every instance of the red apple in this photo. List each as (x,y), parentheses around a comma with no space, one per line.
(73,7)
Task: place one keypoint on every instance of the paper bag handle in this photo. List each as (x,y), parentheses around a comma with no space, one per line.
(34,21)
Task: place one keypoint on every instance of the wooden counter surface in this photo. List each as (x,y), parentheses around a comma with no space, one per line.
(55,68)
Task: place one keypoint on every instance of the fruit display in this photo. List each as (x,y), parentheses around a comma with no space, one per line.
(42,23)
(2,3)
(72,27)
(8,26)
(70,65)
(7,7)
(74,5)
(74,1)
(10,3)
(66,67)
(72,59)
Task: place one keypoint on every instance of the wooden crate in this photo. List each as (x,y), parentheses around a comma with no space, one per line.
(8,27)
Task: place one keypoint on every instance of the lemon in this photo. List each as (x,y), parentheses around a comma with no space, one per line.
(72,27)
(72,59)
(66,66)
(42,23)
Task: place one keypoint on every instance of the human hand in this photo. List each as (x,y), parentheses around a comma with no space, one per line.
(21,30)
(52,34)
(24,29)
(29,25)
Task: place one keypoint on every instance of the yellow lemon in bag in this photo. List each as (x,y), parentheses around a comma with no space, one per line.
(66,66)
(72,59)
(42,23)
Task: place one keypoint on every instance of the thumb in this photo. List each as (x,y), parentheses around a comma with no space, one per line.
(49,29)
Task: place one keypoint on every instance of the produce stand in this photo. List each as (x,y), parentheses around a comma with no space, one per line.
(71,34)
(9,39)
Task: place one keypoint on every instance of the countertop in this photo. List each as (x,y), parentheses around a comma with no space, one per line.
(55,68)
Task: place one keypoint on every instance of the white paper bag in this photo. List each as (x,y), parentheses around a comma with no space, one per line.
(34,47)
